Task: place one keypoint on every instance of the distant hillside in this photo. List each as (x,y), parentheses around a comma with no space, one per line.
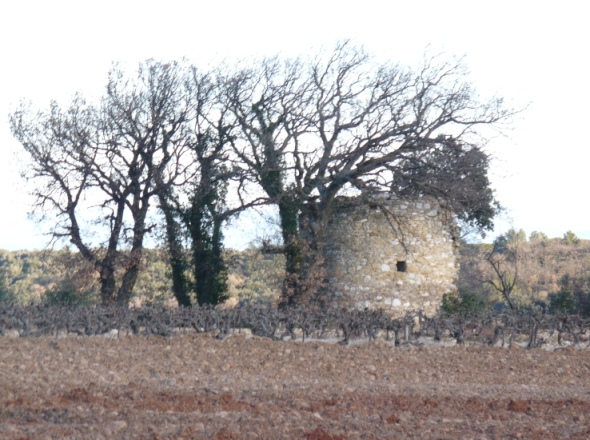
(543,267)
(61,276)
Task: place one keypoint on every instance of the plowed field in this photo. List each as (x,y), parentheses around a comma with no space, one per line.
(198,387)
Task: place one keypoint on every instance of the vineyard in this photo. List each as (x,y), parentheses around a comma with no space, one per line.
(529,326)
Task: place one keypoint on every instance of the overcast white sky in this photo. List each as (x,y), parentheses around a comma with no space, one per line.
(529,52)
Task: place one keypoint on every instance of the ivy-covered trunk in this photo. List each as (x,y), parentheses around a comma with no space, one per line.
(204,226)
(209,269)
(289,213)
(178,263)
(312,227)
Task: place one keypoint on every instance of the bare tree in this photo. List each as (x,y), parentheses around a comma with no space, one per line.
(504,260)
(96,166)
(269,104)
(315,130)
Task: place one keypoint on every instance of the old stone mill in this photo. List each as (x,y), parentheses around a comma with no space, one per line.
(394,254)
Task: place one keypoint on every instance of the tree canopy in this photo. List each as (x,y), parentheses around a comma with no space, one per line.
(294,133)
(316,129)
(96,166)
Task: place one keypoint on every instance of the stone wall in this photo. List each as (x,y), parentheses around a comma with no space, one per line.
(393,254)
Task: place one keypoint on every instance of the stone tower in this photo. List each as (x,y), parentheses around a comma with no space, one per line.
(393,254)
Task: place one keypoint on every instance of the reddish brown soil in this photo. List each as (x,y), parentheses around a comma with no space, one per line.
(252,388)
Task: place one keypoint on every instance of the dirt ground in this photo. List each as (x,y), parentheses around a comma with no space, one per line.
(198,387)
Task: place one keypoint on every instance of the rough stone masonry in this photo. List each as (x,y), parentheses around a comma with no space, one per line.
(393,254)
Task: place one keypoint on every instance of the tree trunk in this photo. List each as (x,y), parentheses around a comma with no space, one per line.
(178,264)
(288,214)
(136,253)
(208,265)
(128,283)
(107,284)
(312,233)
(303,229)
(107,264)
(131,274)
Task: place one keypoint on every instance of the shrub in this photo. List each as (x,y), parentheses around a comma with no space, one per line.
(464,304)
